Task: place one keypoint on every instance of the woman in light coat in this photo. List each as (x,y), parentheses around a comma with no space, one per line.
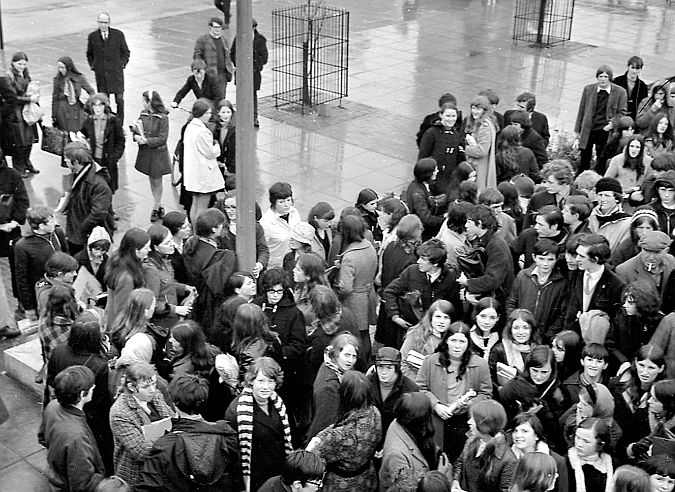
(481,136)
(201,174)
(454,379)
(279,221)
(358,267)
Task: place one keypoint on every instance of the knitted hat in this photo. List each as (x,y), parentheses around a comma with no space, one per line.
(643,213)
(667,180)
(303,232)
(608,184)
(388,355)
(654,241)
(524,185)
(199,108)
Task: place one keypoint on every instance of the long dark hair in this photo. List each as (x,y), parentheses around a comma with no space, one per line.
(636,163)
(508,147)
(354,394)
(442,349)
(490,419)
(413,413)
(126,259)
(250,324)
(190,336)
(71,69)
(155,101)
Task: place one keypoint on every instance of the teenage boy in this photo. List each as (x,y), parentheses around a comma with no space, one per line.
(594,360)
(541,289)
(608,218)
(431,277)
(303,472)
(664,204)
(635,88)
(595,287)
(576,212)
(497,276)
(72,452)
(32,252)
(548,224)
(196,454)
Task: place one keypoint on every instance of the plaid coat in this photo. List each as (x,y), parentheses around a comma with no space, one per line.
(126,421)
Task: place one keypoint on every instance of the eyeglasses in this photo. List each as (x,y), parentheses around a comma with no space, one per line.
(148,384)
(230,207)
(316,483)
(275,291)
(198,70)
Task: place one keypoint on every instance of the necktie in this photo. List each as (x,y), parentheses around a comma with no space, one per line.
(587,284)
(105,36)
(429,277)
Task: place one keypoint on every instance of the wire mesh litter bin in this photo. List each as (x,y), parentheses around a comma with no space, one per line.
(543,23)
(312,43)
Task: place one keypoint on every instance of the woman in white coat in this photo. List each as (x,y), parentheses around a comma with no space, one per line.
(278,222)
(201,174)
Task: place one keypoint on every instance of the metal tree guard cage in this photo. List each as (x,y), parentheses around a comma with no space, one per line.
(312,57)
(543,22)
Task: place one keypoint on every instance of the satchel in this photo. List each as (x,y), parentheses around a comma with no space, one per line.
(333,272)
(54,140)
(6,208)
(438,204)
(472,263)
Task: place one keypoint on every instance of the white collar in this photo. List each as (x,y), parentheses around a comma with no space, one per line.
(595,275)
(608,90)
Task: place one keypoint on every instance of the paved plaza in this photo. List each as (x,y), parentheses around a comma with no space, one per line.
(402,55)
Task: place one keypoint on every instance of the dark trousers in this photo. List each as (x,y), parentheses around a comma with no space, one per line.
(597,138)
(119,104)
(21,159)
(224,7)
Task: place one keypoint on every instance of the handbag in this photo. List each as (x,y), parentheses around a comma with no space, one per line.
(333,272)
(54,140)
(32,113)
(6,208)
(177,164)
(472,263)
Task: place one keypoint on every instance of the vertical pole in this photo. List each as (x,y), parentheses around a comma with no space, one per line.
(2,38)
(540,23)
(245,150)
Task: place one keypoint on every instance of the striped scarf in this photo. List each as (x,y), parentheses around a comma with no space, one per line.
(245,426)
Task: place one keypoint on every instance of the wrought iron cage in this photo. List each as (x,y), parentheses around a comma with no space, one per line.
(312,43)
(543,22)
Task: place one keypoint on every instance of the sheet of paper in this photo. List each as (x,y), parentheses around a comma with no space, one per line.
(157,429)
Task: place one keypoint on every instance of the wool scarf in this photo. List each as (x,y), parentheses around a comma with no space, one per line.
(245,426)
(514,353)
(605,466)
(330,364)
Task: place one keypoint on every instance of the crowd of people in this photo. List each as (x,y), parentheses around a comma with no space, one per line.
(505,324)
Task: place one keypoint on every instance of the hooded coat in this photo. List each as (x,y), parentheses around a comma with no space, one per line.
(208,269)
(195,455)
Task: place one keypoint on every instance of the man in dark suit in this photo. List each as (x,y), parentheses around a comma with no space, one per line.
(597,287)
(527,101)
(636,88)
(602,104)
(108,55)
(260,56)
